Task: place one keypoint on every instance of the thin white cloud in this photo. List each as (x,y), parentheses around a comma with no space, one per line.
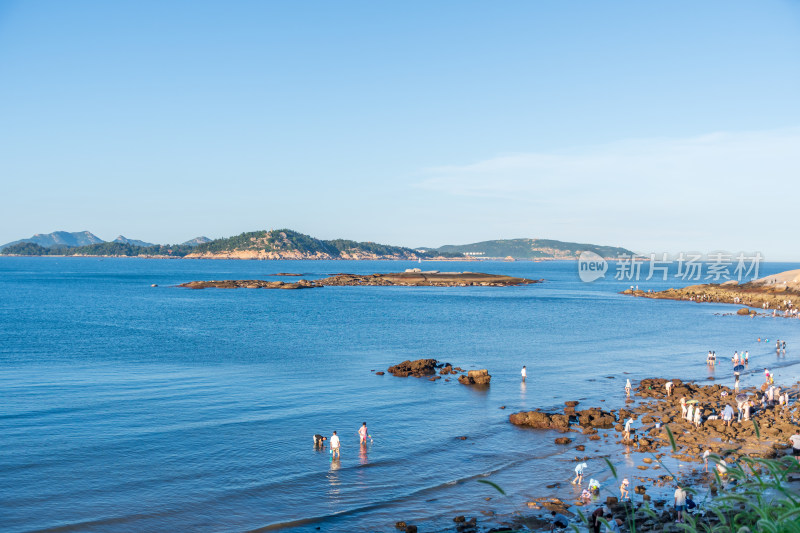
(716,191)
(669,167)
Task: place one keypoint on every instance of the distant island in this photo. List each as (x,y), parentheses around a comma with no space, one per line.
(289,244)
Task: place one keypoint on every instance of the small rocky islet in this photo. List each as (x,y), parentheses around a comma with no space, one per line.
(429,368)
(409,278)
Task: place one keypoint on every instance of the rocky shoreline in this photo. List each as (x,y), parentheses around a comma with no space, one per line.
(765,436)
(779,292)
(413,278)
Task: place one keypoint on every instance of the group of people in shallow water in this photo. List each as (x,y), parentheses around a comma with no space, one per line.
(335,443)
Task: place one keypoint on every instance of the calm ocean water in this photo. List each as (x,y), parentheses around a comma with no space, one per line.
(132,408)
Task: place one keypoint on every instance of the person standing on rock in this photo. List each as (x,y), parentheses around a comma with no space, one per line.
(683,407)
(698,415)
(705,458)
(669,386)
(628,424)
(524,373)
(727,415)
(335,445)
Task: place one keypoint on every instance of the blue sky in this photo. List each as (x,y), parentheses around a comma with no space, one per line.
(659,127)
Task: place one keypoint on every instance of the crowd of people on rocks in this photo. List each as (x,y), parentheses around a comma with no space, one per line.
(747,408)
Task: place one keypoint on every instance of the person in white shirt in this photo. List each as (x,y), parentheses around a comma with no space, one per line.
(579,474)
(335,445)
(705,458)
(795,441)
(524,373)
(627,434)
(668,386)
(680,502)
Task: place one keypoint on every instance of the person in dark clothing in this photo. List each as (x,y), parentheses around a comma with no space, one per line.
(594,521)
(319,441)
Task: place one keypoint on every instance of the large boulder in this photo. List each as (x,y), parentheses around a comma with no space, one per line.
(418,368)
(476,377)
(540,420)
(596,418)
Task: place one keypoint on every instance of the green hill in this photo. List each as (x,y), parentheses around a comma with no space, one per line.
(286,240)
(531,249)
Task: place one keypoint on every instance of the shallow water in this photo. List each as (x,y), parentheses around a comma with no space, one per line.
(128,407)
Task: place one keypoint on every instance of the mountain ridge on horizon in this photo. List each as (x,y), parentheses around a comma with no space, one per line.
(289,244)
(74,239)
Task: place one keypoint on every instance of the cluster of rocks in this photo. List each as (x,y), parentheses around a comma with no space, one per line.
(248,284)
(405,279)
(592,418)
(426,279)
(421,368)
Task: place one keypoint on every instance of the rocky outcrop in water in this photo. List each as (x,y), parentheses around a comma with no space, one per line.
(476,377)
(413,278)
(419,368)
(248,284)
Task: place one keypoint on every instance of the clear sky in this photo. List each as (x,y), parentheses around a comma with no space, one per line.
(658,126)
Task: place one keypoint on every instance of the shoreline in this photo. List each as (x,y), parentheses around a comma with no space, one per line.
(659,467)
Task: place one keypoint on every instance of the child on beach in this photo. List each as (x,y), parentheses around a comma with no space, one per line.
(705,458)
(624,493)
(627,434)
(628,388)
(362,433)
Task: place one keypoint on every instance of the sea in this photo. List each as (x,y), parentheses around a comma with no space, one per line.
(130,404)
